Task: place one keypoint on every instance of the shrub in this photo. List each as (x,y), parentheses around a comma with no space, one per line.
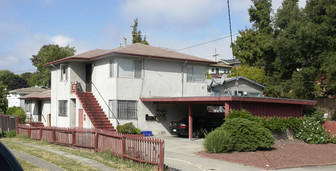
(128,128)
(247,135)
(333,140)
(275,124)
(9,134)
(312,131)
(18,111)
(218,141)
(243,114)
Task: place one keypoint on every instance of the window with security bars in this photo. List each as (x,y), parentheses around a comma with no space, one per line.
(62,107)
(123,109)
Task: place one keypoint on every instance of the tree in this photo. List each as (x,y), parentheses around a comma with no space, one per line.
(11,80)
(137,37)
(3,98)
(255,46)
(46,54)
(253,73)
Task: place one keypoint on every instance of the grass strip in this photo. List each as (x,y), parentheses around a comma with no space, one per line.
(28,166)
(63,162)
(106,158)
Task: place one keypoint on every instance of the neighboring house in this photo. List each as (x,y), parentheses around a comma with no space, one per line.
(219,69)
(13,96)
(107,87)
(37,107)
(236,86)
(231,62)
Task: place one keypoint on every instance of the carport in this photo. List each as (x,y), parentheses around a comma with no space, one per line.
(258,106)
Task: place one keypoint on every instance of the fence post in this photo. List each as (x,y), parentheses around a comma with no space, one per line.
(29,132)
(96,140)
(161,163)
(17,125)
(123,143)
(53,133)
(41,133)
(73,138)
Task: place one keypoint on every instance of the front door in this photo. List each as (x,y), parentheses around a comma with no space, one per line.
(88,77)
(80,118)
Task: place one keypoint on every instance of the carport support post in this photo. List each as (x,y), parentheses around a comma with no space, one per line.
(190,122)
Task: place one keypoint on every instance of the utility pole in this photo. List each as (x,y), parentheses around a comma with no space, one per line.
(215,55)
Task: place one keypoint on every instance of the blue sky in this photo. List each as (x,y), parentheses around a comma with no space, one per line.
(27,25)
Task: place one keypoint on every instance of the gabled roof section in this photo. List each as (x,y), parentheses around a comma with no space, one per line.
(137,49)
(38,95)
(231,61)
(220,65)
(27,90)
(223,80)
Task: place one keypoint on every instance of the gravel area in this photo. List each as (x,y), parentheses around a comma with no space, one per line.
(284,154)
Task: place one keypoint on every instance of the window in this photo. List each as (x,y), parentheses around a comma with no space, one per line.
(195,73)
(111,68)
(129,68)
(123,109)
(239,93)
(62,107)
(212,70)
(27,106)
(64,72)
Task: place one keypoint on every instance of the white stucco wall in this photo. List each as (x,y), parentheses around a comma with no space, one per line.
(13,100)
(160,78)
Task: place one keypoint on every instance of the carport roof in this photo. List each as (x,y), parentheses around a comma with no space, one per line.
(221,99)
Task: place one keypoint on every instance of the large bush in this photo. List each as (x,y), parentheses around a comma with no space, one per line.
(274,124)
(128,128)
(247,135)
(312,131)
(18,111)
(218,141)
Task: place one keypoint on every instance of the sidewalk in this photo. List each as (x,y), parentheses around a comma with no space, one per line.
(36,161)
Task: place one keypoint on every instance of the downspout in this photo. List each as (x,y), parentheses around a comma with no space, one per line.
(182,67)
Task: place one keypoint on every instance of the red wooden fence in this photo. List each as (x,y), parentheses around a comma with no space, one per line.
(134,147)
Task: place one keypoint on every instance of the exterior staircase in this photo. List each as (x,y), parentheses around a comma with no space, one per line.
(94,111)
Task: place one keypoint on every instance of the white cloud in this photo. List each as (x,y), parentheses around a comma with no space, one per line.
(172,13)
(61,40)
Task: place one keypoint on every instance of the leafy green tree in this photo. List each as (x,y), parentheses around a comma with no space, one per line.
(260,15)
(3,98)
(11,80)
(253,73)
(137,37)
(46,54)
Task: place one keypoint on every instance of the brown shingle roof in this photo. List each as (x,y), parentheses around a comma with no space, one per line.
(136,49)
(28,90)
(38,95)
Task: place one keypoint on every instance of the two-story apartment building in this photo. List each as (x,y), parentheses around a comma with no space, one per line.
(100,87)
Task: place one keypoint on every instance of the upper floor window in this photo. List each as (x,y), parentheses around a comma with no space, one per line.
(129,68)
(111,68)
(64,72)
(196,73)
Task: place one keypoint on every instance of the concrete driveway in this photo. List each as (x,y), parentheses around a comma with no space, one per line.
(180,154)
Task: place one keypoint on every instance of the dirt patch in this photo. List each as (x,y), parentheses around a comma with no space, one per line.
(284,154)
